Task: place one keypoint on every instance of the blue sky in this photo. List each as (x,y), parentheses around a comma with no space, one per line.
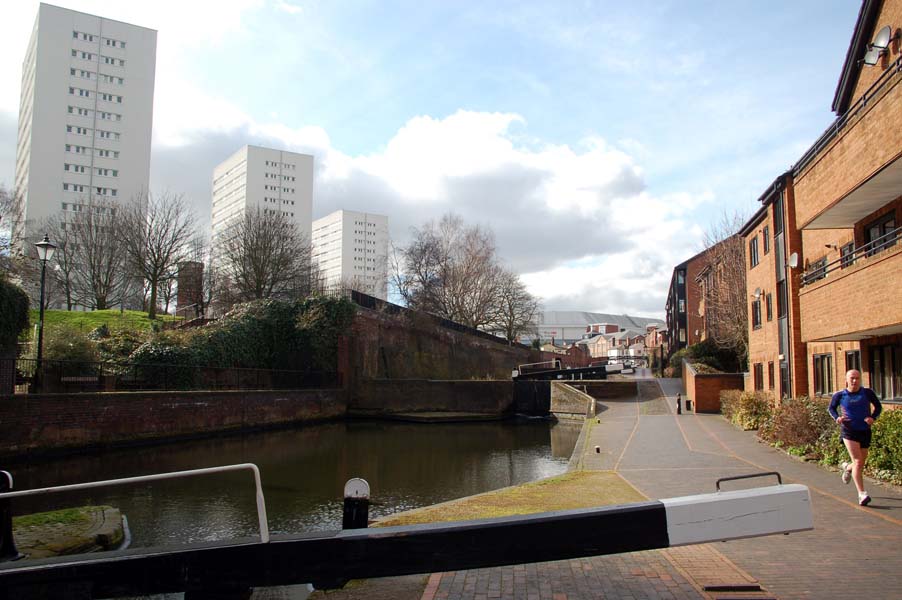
(597,139)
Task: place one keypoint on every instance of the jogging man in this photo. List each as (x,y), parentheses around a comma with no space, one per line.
(851,409)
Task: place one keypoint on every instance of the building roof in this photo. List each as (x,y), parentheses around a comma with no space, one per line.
(867,18)
(575,318)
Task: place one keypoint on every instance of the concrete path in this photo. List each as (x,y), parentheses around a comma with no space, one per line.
(853,551)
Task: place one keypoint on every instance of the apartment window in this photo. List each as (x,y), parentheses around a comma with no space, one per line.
(758,374)
(845,255)
(886,371)
(769,307)
(784,379)
(817,269)
(683,335)
(874,233)
(782,300)
(766,238)
(770,375)
(680,277)
(853,360)
(682,305)
(753,251)
(823,374)
(756,314)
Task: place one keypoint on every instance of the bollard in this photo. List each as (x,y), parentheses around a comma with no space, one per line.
(688,405)
(679,405)
(357,504)
(8,549)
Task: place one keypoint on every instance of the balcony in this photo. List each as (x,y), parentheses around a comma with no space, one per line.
(857,296)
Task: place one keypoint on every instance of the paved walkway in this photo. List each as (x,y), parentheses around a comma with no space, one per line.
(853,551)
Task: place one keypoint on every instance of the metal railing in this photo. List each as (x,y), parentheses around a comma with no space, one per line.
(261,504)
(25,375)
(820,271)
(894,69)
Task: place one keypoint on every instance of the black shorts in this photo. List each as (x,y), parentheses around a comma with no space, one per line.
(862,436)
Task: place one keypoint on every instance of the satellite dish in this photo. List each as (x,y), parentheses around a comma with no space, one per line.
(757,293)
(793,260)
(872,56)
(881,41)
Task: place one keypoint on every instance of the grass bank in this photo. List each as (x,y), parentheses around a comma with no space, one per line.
(87,321)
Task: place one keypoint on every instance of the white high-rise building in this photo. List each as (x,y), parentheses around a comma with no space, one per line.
(85,114)
(265,179)
(351,249)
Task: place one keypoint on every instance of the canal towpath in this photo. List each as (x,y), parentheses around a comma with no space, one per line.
(852,552)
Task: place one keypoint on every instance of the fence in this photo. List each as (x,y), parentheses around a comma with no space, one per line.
(23,376)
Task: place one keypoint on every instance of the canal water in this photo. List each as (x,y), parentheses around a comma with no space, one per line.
(408,465)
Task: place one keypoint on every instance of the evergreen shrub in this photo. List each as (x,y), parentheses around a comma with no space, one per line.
(13,313)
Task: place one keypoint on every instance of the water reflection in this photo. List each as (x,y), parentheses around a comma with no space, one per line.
(303,473)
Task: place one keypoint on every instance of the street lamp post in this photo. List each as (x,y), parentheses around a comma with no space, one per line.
(46,248)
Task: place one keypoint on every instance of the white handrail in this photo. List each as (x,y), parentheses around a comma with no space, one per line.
(261,504)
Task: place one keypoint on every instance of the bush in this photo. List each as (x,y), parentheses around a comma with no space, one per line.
(703,369)
(729,403)
(63,342)
(885,457)
(13,313)
(117,346)
(752,410)
(801,423)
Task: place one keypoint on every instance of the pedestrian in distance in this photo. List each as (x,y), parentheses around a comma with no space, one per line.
(851,409)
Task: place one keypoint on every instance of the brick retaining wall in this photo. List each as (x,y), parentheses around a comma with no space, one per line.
(49,423)
(375,396)
(704,389)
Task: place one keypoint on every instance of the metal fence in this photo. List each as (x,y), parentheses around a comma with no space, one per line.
(24,376)
(820,270)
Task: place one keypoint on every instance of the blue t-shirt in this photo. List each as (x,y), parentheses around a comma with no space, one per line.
(856,407)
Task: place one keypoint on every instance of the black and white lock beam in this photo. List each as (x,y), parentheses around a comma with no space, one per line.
(329,558)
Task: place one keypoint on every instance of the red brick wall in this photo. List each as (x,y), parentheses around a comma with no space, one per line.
(694,321)
(385,396)
(414,346)
(704,390)
(55,422)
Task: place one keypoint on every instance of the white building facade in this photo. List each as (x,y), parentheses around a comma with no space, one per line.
(265,179)
(85,114)
(351,249)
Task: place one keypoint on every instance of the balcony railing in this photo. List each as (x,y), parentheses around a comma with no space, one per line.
(820,271)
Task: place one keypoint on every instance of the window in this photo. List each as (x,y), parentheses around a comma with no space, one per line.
(784,379)
(682,305)
(817,270)
(886,371)
(823,374)
(756,314)
(758,374)
(680,276)
(845,254)
(753,251)
(876,233)
(782,300)
(770,375)
(766,237)
(682,335)
(769,306)
(853,360)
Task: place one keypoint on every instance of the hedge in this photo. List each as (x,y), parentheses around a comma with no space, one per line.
(13,313)
(803,427)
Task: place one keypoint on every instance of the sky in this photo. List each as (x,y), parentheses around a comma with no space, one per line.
(598,140)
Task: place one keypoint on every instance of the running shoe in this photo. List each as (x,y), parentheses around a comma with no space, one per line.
(846,472)
(864,500)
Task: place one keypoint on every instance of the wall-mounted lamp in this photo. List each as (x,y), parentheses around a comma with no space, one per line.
(757,293)
(793,260)
(833,246)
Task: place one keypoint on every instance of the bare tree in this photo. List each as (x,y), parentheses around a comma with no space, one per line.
(264,254)
(95,248)
(515,309)
(11,222)
(65,260)
(452,270)
(157,231)
(723,286)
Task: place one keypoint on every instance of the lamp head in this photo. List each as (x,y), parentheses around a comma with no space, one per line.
(46,248)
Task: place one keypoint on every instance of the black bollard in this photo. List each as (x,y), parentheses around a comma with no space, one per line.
(679,405)
(356,505)
(8,550)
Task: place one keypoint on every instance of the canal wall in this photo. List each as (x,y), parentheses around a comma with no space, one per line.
(569,402)
(374,397)
(56,423)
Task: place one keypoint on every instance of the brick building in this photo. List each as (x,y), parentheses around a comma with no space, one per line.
(834,269)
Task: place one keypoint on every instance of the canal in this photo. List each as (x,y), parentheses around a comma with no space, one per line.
(408,465)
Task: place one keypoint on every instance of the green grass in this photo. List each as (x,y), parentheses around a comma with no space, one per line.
(67,516)
(86,321)
(576,489)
